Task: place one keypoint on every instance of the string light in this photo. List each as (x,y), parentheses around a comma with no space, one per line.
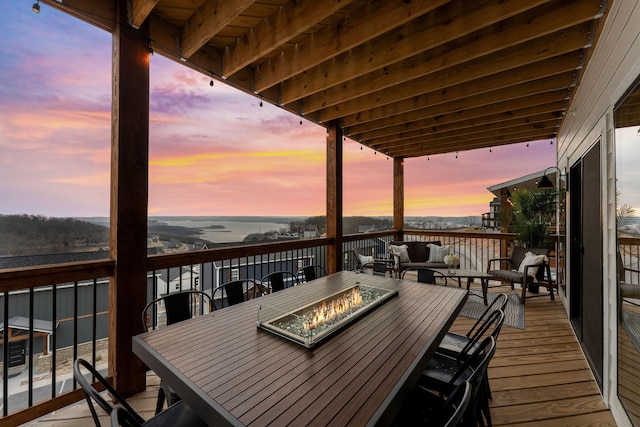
(456,154)
(490,150)
(36,6)
(260,101)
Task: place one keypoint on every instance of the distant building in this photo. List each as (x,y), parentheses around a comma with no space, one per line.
(502,191)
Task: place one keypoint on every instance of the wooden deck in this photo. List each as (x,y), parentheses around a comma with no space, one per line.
(538,376)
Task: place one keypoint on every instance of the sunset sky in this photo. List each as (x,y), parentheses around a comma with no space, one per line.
(213,150)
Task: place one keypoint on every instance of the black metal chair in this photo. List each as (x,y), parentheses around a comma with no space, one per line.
(178,306)
(456,345)
(234,292)
(426,408)
(310,272)
(444,373)
(177,415)
(277,281)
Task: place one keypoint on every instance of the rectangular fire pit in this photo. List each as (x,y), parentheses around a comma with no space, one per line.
(311,323)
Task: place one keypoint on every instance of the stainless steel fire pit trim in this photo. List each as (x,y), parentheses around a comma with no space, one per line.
(316,338)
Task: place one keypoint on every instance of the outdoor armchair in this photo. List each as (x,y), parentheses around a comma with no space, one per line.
(526,266)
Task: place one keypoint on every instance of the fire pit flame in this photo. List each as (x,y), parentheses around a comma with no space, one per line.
(333,309)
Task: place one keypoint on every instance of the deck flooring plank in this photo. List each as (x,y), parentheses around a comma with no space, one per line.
(547,410)
(543,394)
(538,376)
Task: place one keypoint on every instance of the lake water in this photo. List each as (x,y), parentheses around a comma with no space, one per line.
(233,231)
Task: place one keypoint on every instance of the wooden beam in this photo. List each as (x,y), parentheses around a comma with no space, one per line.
(334,196)
(490,131)
(435,117)
(129,197)
(398,194)
(431,67)
(441,93)
(424,103)
(140,10)
(207,21)
(374,19)
(441,26)
(289,21)
(102,14)
(465,128)
(427,147)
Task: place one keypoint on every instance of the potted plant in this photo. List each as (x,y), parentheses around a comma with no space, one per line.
(532,218)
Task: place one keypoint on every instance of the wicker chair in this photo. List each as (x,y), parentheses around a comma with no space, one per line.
(511,274)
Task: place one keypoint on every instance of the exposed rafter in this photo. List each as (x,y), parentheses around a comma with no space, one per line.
(405,78)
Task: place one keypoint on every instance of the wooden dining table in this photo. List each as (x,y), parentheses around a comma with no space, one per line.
(233,373)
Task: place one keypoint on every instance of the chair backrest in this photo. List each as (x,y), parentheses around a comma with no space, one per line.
(357,262)
(310,272)
(278,280)
(518,253)
(418,251)
(426,276)
(178,306)
(91,394)
(498,303)
(380,268)
(450,414)
(493,323)
(478,362)
(234,292)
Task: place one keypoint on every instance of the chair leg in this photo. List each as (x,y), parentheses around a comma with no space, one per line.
(160,401)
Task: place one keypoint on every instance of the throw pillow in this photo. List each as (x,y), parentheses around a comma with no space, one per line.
(534,260)
(402,252)
(437,253)
(364,260)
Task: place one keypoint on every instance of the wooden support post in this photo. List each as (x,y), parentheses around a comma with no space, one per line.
(335,259)
(129,196)
(398,197)
(506,216)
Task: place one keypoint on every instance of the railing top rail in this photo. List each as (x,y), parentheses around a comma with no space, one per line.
(156,262)
(13,279)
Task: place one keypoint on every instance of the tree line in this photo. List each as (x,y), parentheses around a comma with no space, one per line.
(37,234)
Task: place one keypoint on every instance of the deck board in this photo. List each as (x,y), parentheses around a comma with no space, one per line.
(539,377)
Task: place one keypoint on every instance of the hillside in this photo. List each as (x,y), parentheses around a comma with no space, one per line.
(36,234)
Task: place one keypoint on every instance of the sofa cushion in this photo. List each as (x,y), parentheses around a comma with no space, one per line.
(418,250)
(402,252)
(406,265)
(437,253)
(533,260)
(508,275)
(364,259)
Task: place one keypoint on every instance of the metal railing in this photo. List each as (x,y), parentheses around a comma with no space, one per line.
(629,249)
(73,298)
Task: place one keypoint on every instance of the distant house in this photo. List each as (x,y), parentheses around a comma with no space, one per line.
(310,231)
(503,192)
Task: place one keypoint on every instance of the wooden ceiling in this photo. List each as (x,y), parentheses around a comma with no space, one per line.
(405,77)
